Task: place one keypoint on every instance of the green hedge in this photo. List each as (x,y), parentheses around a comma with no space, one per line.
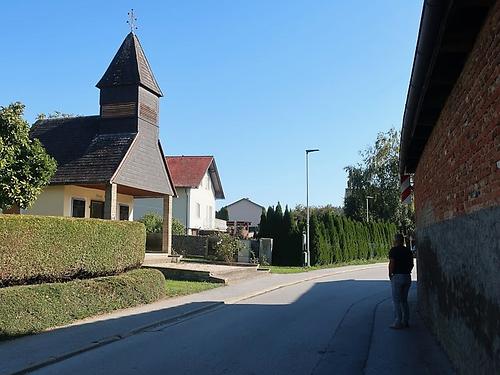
(36,249)
(33,308)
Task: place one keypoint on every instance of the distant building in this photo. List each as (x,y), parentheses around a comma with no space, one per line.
(451,143)
(198,185)
(244,214)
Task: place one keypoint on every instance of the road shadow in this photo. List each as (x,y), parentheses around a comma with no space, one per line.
(331,325)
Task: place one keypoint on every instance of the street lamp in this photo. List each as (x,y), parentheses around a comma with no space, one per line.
(367,197)
(307,203)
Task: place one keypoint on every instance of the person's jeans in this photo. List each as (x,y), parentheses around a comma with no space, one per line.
(400,286)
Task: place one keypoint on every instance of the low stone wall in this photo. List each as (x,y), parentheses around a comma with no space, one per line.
(190,245)
(459,288)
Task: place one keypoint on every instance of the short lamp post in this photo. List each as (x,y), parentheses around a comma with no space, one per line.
(367,216)
(307,204)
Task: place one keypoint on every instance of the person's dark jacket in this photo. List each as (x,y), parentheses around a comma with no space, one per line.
(403,260)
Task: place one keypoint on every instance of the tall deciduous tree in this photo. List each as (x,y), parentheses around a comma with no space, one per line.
(25,166)
(378,176)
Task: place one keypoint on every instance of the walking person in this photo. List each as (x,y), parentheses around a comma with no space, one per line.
(400,266)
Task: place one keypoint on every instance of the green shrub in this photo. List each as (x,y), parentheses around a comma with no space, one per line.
(154,224)
(224,247)
(177,227)
(37,249)
(33,308)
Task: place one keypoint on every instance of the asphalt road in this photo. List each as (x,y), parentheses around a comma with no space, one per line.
(334,325)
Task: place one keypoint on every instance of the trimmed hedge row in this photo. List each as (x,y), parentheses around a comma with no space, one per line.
(36,249)
(29,309)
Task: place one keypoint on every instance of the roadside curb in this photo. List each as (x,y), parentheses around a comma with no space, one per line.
(208,307)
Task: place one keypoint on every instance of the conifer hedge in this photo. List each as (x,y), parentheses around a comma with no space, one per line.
(337,239)
(35,249)
(333,238)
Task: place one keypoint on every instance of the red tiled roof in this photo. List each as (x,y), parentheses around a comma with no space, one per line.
(188,171)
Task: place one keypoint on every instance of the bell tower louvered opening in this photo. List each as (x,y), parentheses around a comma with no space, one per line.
(129,92)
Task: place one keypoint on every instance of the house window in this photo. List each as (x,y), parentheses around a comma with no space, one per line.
(198,210)
(124,212)
(97,209)
(78,207)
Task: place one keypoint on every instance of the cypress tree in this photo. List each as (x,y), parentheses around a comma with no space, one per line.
(324,245)
(287,239)
(278,234)
(315,239)
(263,228)
(336,240)
(340,231)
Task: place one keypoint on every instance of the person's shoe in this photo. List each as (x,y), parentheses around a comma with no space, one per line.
(396,326)
(406,325)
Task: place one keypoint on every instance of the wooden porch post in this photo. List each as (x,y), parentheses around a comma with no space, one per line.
(110,202)
(167,225)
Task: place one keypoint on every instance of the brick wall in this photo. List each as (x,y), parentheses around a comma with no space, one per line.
(457,202)
(459,171)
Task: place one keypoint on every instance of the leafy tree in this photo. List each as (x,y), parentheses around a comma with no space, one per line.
(154,224)
(222,214)
(378,176)
(25,166)
(299,212)
(177,227)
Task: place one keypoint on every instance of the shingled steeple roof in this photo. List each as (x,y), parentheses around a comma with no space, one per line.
(130,67)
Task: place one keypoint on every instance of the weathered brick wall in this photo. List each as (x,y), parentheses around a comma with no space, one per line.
(457,201)
(458,172)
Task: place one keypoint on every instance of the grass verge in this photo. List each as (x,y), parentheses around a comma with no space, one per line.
(175,288)
(287,269)
(33,308)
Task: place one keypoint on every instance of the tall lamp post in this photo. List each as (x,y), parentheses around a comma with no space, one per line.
(307,204)
(367,217)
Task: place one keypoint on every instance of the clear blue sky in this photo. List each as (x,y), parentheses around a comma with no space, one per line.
(253,83)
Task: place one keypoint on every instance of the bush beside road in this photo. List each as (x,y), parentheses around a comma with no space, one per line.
(29,309)
(41,249)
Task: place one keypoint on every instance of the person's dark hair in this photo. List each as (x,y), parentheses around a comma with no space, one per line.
(399,239)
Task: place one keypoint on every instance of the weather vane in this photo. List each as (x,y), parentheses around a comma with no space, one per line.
(131,21)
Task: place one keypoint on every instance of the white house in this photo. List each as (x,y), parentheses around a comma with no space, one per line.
(198,185)
(244,212)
